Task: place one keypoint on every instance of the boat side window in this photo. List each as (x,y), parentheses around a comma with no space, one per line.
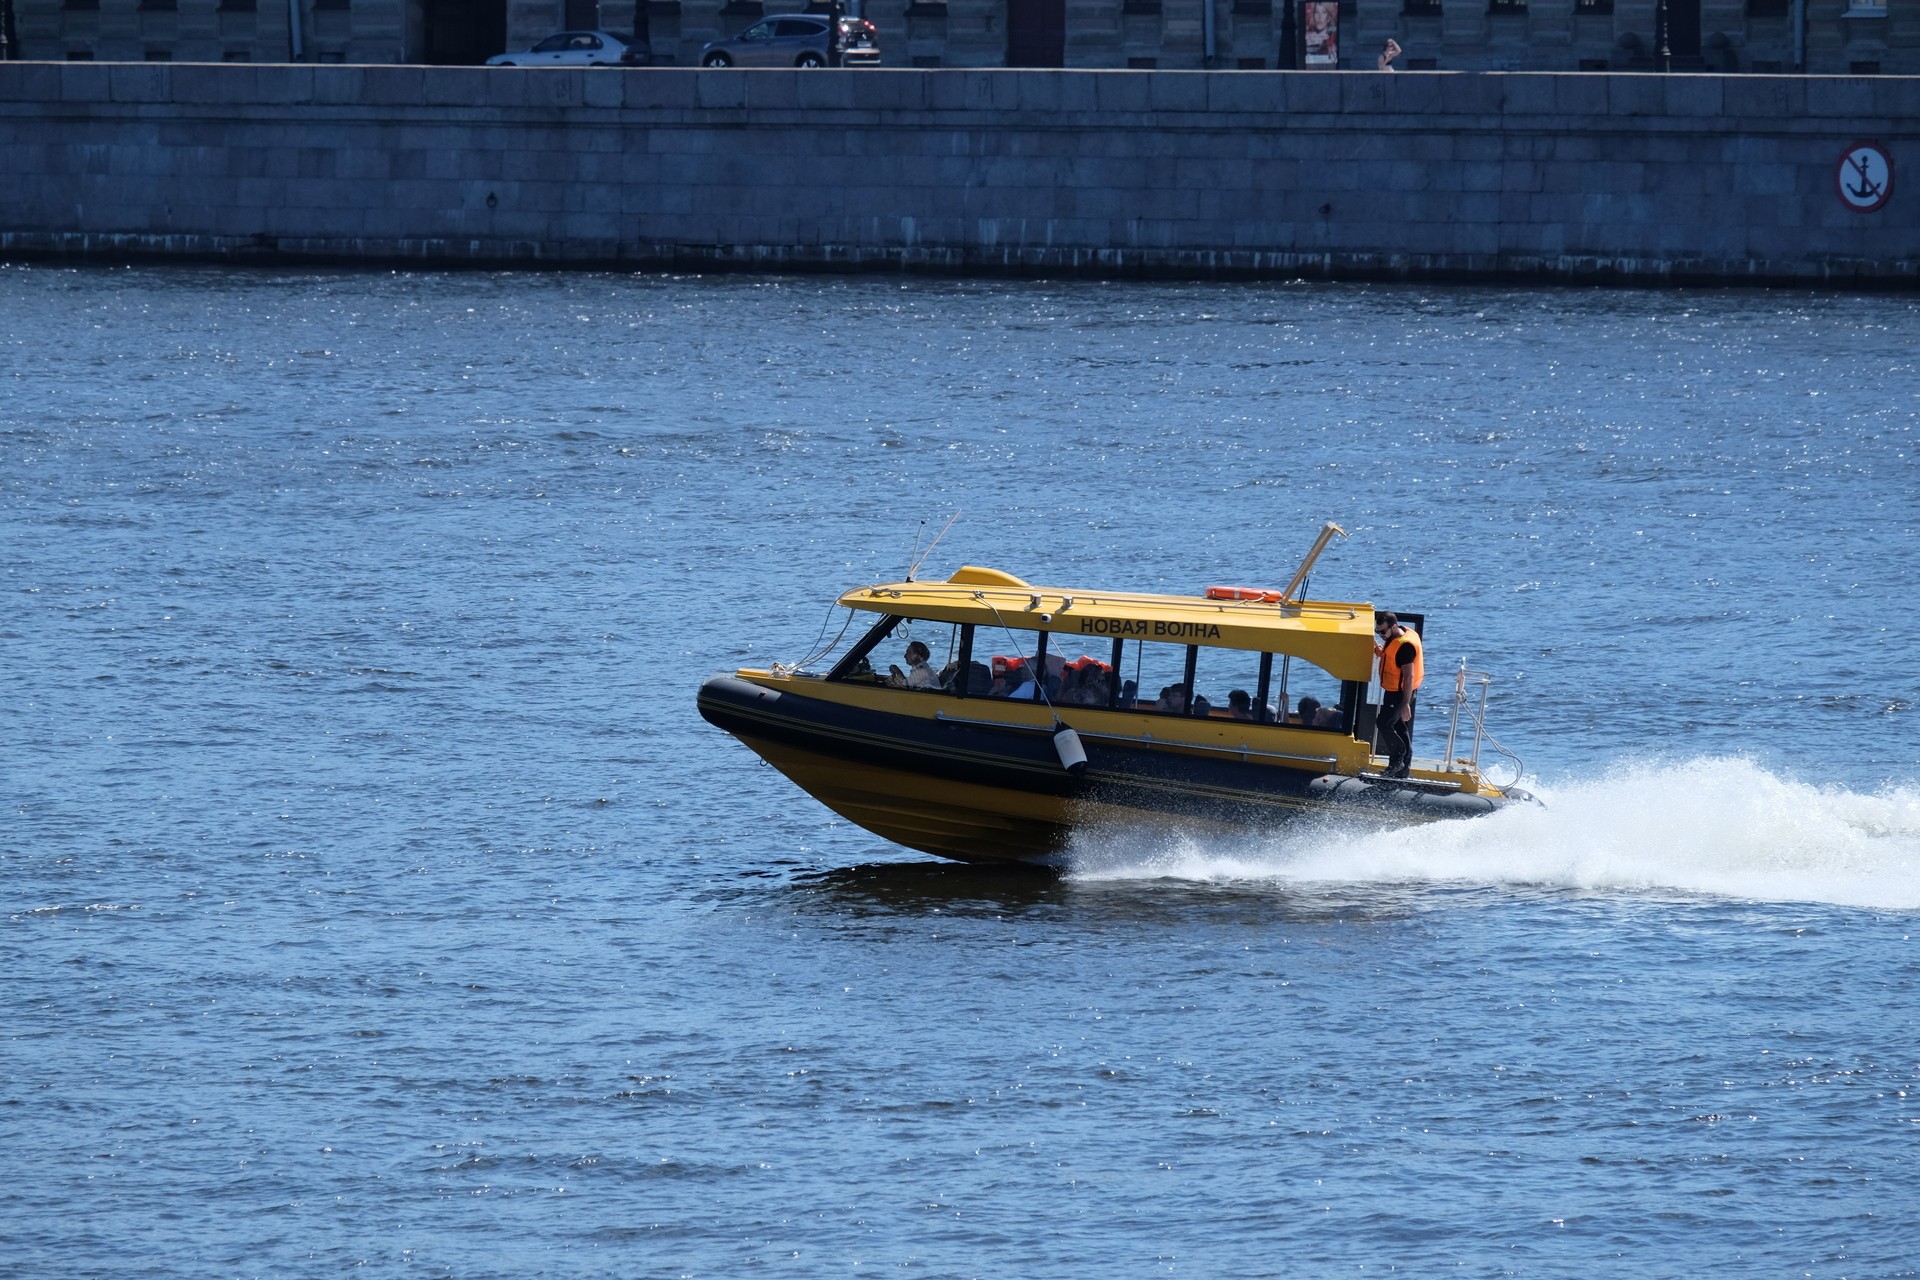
(928,656)
(1084,679)
(1154,677)
(1310,697)
(1227,686)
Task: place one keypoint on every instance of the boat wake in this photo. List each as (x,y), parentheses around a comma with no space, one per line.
(1718,826)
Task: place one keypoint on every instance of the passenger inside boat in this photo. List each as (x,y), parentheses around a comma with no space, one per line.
(919,673)
(1240,704)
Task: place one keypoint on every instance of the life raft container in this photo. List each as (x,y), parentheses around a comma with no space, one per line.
(1260,594)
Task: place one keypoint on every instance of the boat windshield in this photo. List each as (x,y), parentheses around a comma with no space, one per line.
(879,644)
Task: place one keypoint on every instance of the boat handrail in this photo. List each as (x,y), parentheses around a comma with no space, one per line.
(1463,701)
(1147,739)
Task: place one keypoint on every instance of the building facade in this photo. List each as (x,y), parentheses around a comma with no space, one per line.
(1822,37)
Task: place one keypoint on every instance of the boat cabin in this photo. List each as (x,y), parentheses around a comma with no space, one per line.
(990,635)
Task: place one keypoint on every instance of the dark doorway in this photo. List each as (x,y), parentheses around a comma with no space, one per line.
(461,33)
(1683,29)
(1037,33)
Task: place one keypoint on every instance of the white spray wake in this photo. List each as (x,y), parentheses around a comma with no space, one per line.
(1717,826)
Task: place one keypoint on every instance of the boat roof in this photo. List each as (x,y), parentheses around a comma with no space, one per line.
(1334,635)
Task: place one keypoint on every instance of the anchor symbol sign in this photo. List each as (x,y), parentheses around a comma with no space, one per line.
(1864,177)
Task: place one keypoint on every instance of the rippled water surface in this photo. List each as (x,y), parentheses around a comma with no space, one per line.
(374,898)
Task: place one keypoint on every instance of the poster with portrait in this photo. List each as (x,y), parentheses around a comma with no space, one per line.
(1323,33)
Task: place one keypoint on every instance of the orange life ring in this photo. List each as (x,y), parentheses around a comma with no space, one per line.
(1243,593)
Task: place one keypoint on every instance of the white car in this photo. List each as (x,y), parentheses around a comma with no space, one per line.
(576,49)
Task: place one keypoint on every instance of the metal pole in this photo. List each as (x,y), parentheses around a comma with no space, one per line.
(1664,58)
(1799,35)
(1210,38)
(1306,566)
(1289,36)
(1480,721)
(1459,696)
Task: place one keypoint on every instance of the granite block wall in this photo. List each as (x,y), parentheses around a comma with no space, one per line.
(1517,175)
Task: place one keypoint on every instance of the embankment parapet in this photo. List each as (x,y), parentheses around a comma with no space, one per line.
(1570,176)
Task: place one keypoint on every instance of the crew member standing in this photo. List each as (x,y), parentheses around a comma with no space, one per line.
(1401,671)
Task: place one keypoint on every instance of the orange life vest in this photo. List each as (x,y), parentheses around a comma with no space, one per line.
(1390,662)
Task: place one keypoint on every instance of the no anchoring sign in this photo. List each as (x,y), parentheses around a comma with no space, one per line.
(1864,177)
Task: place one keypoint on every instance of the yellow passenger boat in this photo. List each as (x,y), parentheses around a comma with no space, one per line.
(1024,713)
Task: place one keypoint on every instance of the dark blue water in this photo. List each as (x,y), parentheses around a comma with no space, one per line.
(375,900)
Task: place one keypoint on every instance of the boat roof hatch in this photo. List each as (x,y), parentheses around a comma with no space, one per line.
(1334,635)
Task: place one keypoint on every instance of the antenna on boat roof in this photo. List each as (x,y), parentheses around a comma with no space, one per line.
(1306,566)
(922,555)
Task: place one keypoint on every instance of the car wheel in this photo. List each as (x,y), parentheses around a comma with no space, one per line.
(716,60)
(810,59)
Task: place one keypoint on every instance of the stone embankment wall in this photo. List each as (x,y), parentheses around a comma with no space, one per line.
(1540,175)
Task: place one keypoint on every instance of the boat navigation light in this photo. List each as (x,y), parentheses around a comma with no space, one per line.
(1306,566)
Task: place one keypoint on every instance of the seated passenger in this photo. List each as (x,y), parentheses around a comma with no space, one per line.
(1003,677)
(1309,712)
(1240,705)
(919,674)
(979,679)
(1086,683)
(1129,695)
(1173,700)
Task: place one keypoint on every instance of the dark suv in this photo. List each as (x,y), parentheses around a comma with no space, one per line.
(795,40)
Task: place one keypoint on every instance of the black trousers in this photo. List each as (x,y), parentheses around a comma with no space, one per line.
(1397,735)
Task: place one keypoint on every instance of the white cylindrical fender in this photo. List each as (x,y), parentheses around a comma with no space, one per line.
(1073,756)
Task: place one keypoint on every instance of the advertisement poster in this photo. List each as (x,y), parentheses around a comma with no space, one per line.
(1323,33)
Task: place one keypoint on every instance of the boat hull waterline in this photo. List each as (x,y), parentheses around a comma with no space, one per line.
(995,790)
